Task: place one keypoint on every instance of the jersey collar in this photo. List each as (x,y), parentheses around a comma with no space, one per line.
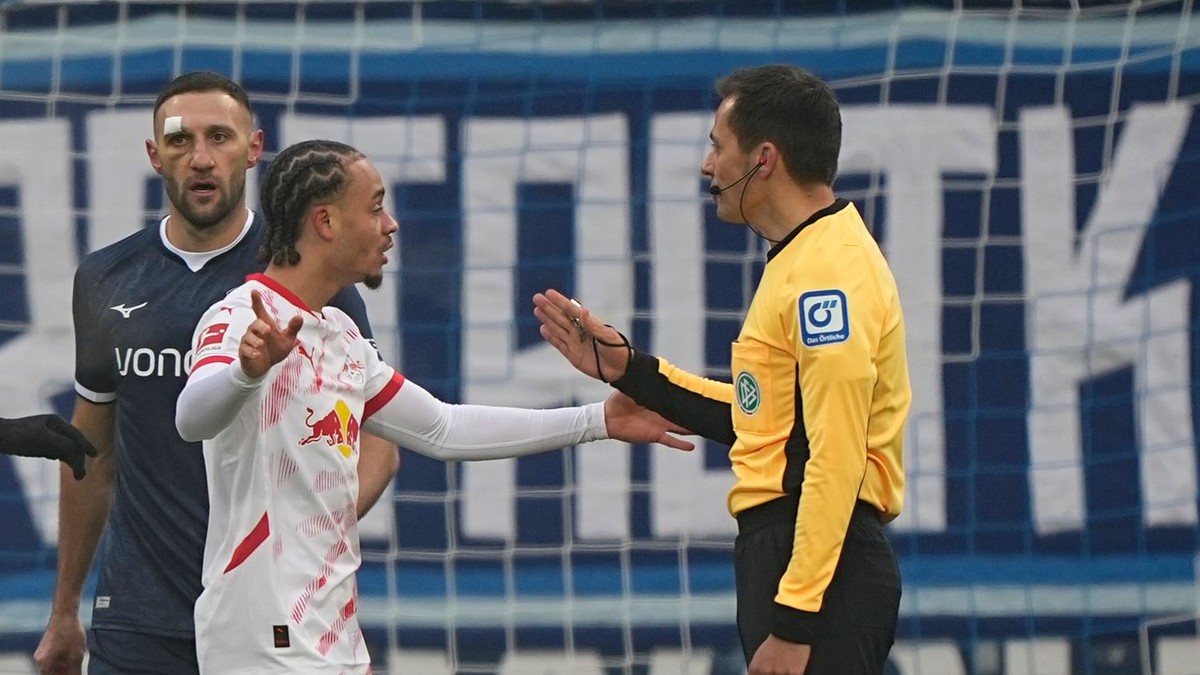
(837,205)
(282,291)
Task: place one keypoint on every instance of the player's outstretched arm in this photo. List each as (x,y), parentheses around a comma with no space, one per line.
(593,347)
(417,420)
(48,436)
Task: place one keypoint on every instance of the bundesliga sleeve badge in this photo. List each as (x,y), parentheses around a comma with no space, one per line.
(824,318)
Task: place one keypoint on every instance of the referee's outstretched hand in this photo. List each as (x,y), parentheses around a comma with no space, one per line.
(593,347)
(48,436)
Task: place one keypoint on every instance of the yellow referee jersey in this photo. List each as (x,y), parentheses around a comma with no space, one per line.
(820,392)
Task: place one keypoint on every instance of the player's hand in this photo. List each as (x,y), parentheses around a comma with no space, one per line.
(584,340)
(48,436)
(777,656)
(61,649)
(627,421)
(265,343)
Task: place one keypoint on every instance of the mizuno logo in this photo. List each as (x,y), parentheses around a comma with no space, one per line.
(126,311)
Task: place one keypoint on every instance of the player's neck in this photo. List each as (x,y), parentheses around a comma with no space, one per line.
(309,287)
(187,237)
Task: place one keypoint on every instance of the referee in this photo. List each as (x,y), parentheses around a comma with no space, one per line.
(816,411)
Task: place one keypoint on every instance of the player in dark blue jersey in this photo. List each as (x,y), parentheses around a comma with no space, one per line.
(136,304)
(46,436)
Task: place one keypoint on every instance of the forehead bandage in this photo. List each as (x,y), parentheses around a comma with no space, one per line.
(172,125)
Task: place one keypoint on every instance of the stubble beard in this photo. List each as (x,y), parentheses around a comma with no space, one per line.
(211,216)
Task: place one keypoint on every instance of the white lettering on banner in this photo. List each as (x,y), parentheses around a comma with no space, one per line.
(1079,326)
(1082,326)
(38,363)
(687,499)
(914,145)
(592,153)
(407,150)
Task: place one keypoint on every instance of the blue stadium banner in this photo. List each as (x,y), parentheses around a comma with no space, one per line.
(1037,203)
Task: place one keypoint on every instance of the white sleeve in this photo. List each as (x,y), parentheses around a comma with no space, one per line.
(417,420)
(211,400)
(217,388)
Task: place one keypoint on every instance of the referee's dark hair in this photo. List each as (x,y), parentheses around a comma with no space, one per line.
(300,176)
(200,81)
(792,108)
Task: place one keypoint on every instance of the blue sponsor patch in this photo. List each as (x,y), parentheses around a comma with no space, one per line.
(824,319)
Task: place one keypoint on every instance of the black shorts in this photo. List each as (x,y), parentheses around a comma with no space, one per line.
(862,603)
(123,652)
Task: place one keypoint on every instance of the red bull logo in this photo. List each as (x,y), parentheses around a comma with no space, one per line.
(338,427)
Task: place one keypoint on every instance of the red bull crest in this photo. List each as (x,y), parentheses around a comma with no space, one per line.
(338,427)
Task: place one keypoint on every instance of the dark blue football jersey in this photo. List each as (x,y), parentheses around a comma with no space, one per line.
(136,304)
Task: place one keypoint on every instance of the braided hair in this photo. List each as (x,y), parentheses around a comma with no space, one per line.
(301,175)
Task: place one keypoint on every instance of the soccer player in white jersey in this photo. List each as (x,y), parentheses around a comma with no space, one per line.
(280,390)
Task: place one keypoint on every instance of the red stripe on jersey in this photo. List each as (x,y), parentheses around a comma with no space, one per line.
(334,633)
(252,541)
(217,358)
(386,394)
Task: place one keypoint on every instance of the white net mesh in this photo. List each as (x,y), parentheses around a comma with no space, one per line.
(1029,168)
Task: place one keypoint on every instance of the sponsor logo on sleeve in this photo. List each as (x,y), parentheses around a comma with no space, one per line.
(824,318)
(210,340)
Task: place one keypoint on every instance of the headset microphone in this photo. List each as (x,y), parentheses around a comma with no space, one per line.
(714,190)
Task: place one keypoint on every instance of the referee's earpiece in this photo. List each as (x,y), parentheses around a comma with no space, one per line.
(762,160)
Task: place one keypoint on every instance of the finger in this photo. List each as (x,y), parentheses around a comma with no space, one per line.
(293,327)
(260,310)
(556,340)
(557,311)
(677,443)
(78,468)
(74,435)
(553,330)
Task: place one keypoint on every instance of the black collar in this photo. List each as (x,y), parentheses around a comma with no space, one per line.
(837,205)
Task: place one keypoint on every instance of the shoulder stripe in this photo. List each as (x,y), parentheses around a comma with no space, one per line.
(386,394)
(208,360)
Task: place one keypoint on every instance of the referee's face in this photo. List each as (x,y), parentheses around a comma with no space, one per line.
(204,143)
(727,167)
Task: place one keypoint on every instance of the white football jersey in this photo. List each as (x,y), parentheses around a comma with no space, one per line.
(282,547)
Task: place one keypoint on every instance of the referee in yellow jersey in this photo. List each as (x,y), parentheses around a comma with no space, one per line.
(816,411)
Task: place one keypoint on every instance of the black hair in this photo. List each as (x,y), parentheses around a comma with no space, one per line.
(203,80)
(792,108)
(300,176)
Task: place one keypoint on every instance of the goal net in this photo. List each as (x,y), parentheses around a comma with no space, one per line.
(1030,170)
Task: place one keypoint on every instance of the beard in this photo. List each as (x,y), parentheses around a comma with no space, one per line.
(206,217)
(373,281)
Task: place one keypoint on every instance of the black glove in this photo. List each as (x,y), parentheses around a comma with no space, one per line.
(48,436)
